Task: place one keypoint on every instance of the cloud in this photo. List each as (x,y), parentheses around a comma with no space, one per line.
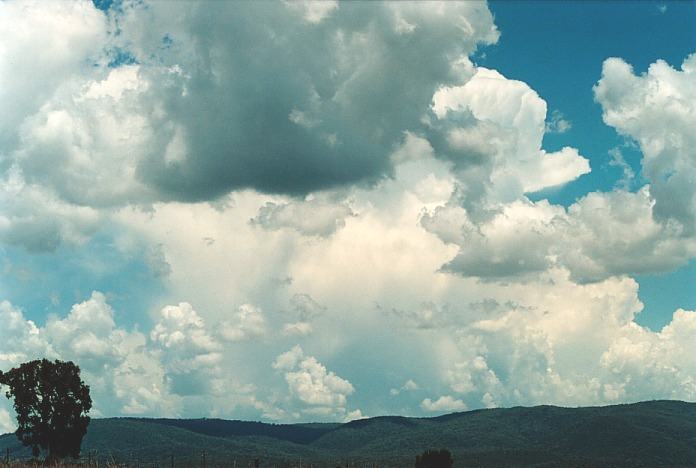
(249,323)
(108,356)
(657,110)
(408,386)
(618,160)
(20,337)
(89,133)
(190,354)
(7,425)
(34,218)
(43,46)
(557,123)
(323,393)
(504,126)
(178,371)
(529,357)
(333,118)
(444,404)
(313,217)
(601,235)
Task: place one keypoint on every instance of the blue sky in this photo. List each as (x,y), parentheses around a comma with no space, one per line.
(323,211)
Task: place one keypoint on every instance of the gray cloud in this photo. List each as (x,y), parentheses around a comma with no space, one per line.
(267,100)
(315,217)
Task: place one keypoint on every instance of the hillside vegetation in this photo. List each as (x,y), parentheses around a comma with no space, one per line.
(657,433)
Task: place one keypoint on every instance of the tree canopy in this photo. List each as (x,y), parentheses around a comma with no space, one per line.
(434,459)
(52,403)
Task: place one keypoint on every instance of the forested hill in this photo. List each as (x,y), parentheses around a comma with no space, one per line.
(656,433)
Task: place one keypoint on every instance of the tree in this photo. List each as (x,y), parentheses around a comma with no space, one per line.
(51,402)
(434,459)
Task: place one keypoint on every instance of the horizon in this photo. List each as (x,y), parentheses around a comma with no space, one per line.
(279,211)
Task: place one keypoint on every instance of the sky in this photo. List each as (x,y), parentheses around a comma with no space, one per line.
(322,211)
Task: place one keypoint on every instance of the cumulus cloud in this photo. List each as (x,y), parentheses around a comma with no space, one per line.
(322,392)
(177,371)
(89,132)
(89,336)
(528,357)
(443,404)
(657,110)
(601,235)
(34,218)
(312,217)
(189,352)
(335,115)
(501,137)
(43,46)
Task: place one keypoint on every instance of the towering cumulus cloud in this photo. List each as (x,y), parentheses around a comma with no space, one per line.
(324,210)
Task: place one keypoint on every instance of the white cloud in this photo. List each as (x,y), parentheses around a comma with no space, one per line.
(505,136)
(443,404)
(322,392)
(7,424)
(657,109)
(43,46)
(601,235)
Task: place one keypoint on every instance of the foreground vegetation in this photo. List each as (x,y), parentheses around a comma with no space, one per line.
(660,433)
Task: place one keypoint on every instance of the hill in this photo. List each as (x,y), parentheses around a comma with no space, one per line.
(656,433)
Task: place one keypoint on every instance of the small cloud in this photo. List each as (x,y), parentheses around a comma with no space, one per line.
(618,160)
(297,329)
(409,386)
(662,8)
(444,403)
(558,123)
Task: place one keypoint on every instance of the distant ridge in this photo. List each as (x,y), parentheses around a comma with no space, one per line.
(654,433)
